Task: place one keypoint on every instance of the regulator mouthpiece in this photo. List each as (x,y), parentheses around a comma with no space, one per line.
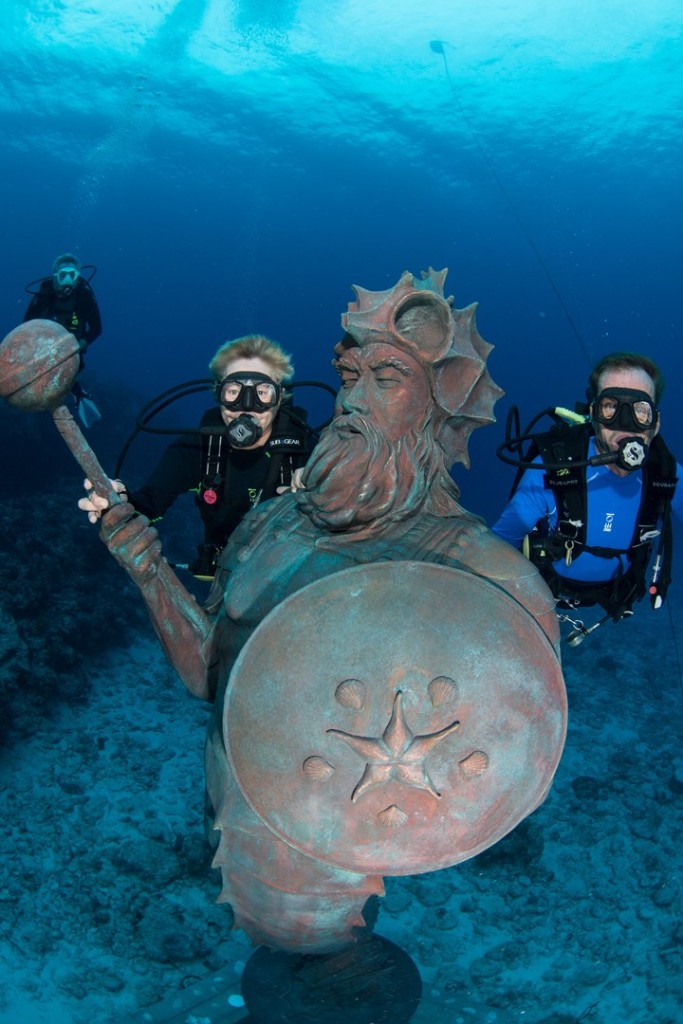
(629,455)
(244,432)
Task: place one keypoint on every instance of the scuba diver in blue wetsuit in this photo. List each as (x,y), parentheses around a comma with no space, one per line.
(593,500)
(66,297)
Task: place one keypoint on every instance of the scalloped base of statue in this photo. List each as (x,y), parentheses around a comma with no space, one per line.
(372,981)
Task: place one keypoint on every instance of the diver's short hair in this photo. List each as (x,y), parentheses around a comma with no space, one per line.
(626,361)
(252,346)
(67,259)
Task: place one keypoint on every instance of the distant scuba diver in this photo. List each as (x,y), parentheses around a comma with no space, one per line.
(67,297)
(244,451)
(602,501)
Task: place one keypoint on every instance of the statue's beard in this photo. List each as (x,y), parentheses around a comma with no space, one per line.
(356,477)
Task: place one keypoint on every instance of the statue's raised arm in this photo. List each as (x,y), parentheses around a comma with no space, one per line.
(39,361)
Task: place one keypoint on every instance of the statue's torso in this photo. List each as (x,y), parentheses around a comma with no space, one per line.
(278,551)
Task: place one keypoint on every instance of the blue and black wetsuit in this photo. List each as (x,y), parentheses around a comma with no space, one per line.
(613,505)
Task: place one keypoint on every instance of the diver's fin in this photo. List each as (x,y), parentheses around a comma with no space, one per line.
(88,413)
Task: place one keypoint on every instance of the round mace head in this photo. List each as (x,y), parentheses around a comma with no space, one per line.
(39,361)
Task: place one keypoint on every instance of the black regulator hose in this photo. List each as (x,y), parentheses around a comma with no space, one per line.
(191,387)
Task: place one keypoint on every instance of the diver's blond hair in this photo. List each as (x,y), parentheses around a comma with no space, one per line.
(252,346)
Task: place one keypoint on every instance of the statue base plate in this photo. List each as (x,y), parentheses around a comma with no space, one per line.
(372,981)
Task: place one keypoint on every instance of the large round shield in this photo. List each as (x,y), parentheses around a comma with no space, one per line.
(396,717)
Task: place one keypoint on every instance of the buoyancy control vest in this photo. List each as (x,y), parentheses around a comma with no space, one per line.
(569,445)
(221,503)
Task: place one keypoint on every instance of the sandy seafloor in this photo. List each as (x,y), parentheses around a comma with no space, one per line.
(107,898)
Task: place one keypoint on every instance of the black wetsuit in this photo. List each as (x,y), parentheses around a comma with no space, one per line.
(77,312)
(227,481)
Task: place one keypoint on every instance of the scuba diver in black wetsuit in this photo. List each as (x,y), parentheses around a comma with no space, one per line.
(245,451)
(67,298)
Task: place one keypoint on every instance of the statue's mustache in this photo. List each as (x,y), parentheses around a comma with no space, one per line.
(351,423)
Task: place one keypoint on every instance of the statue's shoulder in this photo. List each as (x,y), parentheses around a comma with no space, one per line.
(472,546)
(484,550)
(455,540)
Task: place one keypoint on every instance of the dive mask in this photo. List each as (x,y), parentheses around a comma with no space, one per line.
(248,392)
(65,279)
(625,409)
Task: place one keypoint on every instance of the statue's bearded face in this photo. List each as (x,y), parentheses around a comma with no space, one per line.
(375,459)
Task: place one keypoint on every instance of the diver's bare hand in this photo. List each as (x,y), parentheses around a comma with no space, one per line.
(296,484)
(94,504)
(132,541)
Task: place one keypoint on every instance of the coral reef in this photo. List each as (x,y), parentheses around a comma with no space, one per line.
(61,599)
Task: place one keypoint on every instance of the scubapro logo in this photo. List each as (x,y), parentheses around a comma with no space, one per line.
(609,519)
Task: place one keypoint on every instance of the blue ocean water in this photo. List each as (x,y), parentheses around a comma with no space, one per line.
(236,165)
(231,167)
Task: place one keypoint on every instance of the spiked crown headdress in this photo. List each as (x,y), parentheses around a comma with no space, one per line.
(415,316)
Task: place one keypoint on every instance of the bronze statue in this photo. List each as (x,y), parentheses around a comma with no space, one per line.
(384,671)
